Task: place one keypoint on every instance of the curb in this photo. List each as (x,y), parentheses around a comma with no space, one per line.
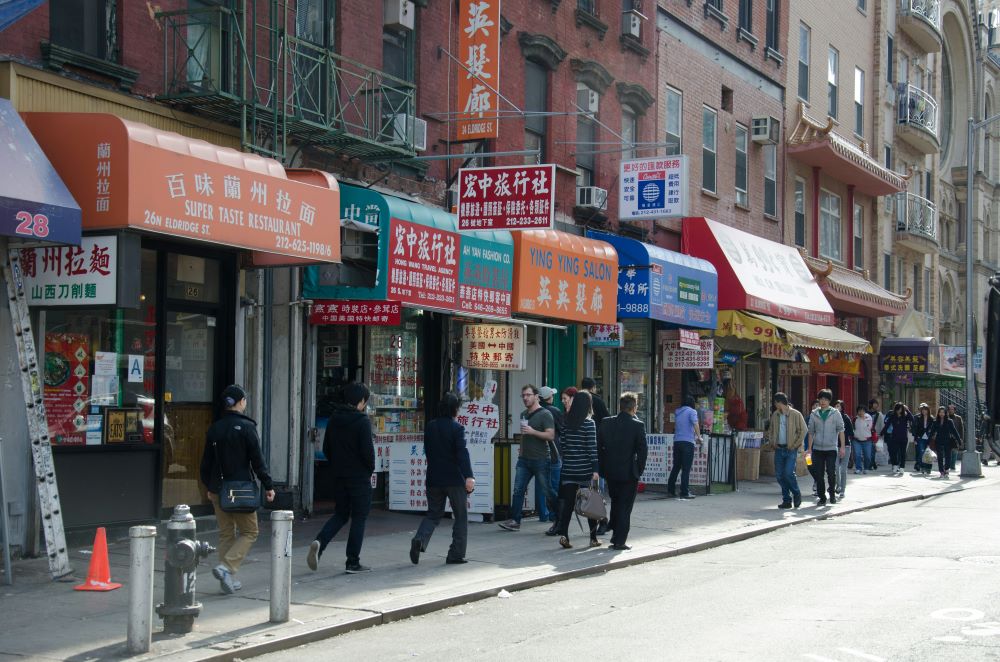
(278,643)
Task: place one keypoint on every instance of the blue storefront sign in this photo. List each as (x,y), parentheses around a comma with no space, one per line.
(654,283)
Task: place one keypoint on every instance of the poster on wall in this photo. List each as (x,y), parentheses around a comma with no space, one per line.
(660,461)
(67,378)
(676,357)
(606,335)
(653,188)
(494,346)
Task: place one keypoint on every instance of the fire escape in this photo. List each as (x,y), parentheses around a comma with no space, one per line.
(242,64)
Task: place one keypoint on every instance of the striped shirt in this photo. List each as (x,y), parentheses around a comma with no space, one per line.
(578,447)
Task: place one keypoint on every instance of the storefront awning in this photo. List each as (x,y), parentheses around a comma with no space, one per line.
(654,283)
(34,202)
(817,336)
(129,175)
(757,274)
(919,356)
(816,145)
(853,292)
(565,277)
(412,253)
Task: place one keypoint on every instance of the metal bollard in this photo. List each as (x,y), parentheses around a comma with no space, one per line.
(281,564)
(142,551)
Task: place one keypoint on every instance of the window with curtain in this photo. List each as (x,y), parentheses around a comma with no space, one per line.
(800,212)
(770,153)
(859,233)
(742,198)
(773,25)
(586,136)
(830,245)
(536,95)
(673,102)
(859,101)
(709,121)
(85,26)
(805,35)
(887,271)
(890,59)
(832,68)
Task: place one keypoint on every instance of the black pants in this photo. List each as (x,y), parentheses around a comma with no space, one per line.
(622,493)
(944,454)
(897,452)
(354,502)
(567,501)
(683,459)
(824,466)
(435,511)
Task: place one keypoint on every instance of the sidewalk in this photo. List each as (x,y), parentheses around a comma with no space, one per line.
(48,620)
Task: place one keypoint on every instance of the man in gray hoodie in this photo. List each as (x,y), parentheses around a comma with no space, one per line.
(826,443)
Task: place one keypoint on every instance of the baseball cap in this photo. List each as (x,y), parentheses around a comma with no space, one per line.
(546,392)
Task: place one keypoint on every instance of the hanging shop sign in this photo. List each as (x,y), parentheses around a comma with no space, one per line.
(688,339)
(653,188)
(839,363)
(479,75)
(797,369)
(952,360)
(94,273)
(777,350)
(908,355)
(485,276)
(494,346)
(606,335)
(423,264)
(676,357)
(566,277)
(368,313)
(506,197)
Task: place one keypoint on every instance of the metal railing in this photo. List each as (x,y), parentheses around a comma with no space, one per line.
(917,108)
(929,10)
(915,215)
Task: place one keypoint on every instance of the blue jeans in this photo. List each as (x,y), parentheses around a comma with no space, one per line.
(353,503)
(921,446)
(784,471)
(683,458)
(864,452)
(526,470)
(544,514)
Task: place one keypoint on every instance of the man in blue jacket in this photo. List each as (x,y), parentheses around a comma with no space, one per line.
(449,476)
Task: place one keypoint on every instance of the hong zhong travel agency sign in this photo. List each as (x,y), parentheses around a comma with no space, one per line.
(506,197)
(493,346)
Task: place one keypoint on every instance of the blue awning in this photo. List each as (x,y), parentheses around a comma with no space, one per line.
(655,283)
(34,202)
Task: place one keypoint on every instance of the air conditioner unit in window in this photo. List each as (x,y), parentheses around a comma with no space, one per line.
(398,14)
(631,25)
(588,100)
(357,245)
(765,130)
(591,196)
(407,129)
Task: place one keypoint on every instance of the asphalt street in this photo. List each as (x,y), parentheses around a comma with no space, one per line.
(916,581)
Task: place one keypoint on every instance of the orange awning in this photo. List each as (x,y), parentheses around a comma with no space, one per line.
(565,277)
(130,175)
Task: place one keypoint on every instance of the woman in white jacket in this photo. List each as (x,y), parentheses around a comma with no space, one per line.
(863,451)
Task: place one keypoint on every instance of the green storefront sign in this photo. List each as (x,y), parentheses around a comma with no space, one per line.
(689,291)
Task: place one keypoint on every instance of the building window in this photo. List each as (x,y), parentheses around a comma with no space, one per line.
(709,121)
(890,59)
(862,5)
(586,137)
(674,107)
(772,25)
(918,289)
(746,15)
(85,26)
(929,186)
(887,156)
(536,95)
(832,67)
(630,133)
(742,198)
(800,212)
(900,275)
(859,233)
(927,293)
(804,39)
(829,226)
(587,6)
(887,271)
(770,180)
(859,101)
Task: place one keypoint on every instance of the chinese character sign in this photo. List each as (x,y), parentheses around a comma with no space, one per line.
(423,264)
(485,275)
(506,197)
(408,478)
(676,357)
(653,188)
(480,418)
(660,461)
(83,275)
(606,335)
(367,313)
(493,346)
(479,73)
(904,360)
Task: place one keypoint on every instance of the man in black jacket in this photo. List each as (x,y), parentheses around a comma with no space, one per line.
(232,449)
(621,452)
(597,404)
(348,446)
(449,476)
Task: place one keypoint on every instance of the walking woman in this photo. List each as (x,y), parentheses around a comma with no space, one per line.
(578,447)
(921,439)
(945,436)
(897,424)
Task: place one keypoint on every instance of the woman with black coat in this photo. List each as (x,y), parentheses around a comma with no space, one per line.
(945,436)
(922,438)
(578,448)
(894,430)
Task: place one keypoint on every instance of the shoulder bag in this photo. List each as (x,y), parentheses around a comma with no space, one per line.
(590,503)
(237,496)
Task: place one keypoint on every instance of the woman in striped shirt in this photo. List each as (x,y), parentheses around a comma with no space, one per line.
(578,447)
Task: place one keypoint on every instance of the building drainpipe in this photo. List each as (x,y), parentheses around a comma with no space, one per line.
(851,257)
(815,223)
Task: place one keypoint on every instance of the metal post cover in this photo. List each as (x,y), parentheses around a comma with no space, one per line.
(142,552)
(281,564)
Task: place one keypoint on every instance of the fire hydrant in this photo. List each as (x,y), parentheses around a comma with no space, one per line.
(179,607)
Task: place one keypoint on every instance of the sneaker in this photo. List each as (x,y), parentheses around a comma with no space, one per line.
(796,500)
(451,561)
(415,551)
(237,585)
(620,548)
(785,505)
(312,558)
(552,530)
(821,502)
(225,578)
(857,472)
(510,525)
(833,499)
(687,497)
(356,569)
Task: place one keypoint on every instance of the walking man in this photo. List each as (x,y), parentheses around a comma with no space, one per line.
(844,460)
(786,434)
(826,434)
(546,394)
(621,453)
(686,433)
(449,476)
(537,431)
(600,409)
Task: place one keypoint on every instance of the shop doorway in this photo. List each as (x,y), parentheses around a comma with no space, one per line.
(605,373)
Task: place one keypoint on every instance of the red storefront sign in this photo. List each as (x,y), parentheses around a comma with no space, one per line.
(369,313)
(506,197)
(688,339)
(423,265)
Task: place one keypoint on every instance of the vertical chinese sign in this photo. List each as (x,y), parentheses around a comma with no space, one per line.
(479,75)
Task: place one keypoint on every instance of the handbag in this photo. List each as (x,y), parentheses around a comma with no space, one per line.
(929,457)
(237,496)
(590,503)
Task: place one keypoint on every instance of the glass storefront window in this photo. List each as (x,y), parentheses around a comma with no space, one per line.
(397,392)
(635,366)
(468,383)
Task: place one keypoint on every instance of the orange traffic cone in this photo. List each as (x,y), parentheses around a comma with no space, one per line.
(99,572)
